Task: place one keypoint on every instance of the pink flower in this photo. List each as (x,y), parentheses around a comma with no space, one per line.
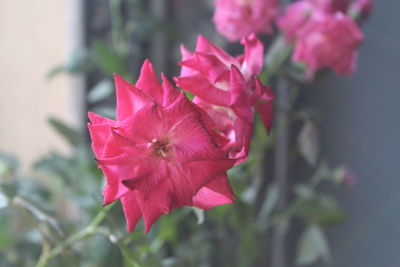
(297,14)
(158,155)
(227,89)
(295,18)
(329,41)
(236,19)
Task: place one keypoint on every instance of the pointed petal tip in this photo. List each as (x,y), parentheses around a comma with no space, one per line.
(147,61)
(92,117)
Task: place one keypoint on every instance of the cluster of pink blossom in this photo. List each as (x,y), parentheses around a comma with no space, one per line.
(163,151)
(235,19)
(323,32)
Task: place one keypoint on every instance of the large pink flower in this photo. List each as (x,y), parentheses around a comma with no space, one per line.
(228,89)
(297,14)
(329,41)
(159,154)
(236,19)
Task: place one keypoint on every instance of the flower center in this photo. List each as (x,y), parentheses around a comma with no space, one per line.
(160,148)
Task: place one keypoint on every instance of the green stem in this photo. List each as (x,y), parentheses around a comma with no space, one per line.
(117,31)
(83,233)
(277,54)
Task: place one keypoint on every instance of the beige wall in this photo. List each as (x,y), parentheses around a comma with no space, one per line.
(33,39)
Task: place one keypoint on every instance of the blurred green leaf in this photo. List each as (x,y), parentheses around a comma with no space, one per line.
(307,142)
(71,135)
(312,247)
(39,215)
(278,53)
(8,168)
(304,191)
(80,62)
(101,91)
(108,60)
(128,259)
(105,111)
(268,205)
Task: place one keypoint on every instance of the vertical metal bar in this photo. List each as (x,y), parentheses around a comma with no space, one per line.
(278,249)
(76,42)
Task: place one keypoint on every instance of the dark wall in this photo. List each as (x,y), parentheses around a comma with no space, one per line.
(362,128)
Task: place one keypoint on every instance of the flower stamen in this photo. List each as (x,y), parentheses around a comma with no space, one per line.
(160,148)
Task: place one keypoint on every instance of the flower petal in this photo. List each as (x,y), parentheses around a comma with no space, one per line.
(240,98)
(131,210)
(149,83)
(253,56)
(156,203)
(217,192)
(129,98)
(205,46)
(201,87)
(186,54)
(188,135)
(170,92)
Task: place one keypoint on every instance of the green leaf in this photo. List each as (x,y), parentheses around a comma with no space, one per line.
(36,213)
(277,54)
(267,207)
(312,247)
(308,143)
(108,60)
(189,95)
(128,259)
(56,71)
(80,62)
(101,91)
(304,192)
(71,135)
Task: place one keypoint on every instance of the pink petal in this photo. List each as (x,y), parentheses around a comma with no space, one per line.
(186,54)
(156,203)
(217,192)
(202,88)
(205,46)
(131,210)
(254,55)
(149,83)
(145,126)
(266,112)
(115,170)
(209,65)
(243,132)
(99,134)
(200,173)
(240,99)
(170,92)
(188,135)
(129,98)
(97,119)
